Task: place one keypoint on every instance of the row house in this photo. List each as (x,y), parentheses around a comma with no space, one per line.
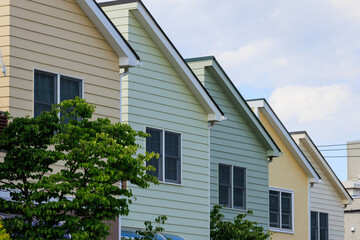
(214,148)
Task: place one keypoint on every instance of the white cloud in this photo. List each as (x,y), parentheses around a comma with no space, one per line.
(248,52)
(348,9)
(329,113)
(308,104)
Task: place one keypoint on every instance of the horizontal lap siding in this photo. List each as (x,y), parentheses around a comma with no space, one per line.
(60,38)
(5,50)
(324,198)
(285,172)
(155,95)
(233,142)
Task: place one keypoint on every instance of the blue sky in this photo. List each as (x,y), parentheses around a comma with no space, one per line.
(303,56)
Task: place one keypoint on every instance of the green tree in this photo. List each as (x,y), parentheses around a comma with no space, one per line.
(3,234)
(93,155)
(240,229)
(150,231)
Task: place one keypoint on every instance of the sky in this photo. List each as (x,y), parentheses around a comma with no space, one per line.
(302,56)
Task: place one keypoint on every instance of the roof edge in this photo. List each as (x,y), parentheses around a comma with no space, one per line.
(127,55)
(325,164)
(275,150)
(281,130)
(215,114)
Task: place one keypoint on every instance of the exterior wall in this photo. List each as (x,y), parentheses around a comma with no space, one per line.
(154,95)
(59,38)
(234,143)
(352,220)
(5,50)
(285,172)
(353,166)
(325,198)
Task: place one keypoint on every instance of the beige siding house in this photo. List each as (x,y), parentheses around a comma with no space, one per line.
(54,50)
(327,198)
(72,39)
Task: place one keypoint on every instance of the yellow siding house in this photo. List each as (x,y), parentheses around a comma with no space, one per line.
(290,179)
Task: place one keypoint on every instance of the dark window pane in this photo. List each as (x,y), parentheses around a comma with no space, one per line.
(225,185)
(324,226)
(314,226)
(224,174)
(172,166)
(44,92)
(172,157)
(239,198)
(154,144)
(286,210)
(274,207)
(69,88)
(224,195)
(239,177)
(172,144)
(239,187)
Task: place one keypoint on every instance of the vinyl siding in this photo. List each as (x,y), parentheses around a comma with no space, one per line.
(60,38)
(233,142)
(154,95)
(5,50)
(324,198)
(286,173)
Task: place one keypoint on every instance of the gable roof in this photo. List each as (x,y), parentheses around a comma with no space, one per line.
(210,61)
(173,56)
(263,106)
(127,55)
(305,138)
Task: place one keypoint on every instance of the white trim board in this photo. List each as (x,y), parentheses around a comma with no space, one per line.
(262,106)
(127,56)
(211,62)
(305,138)
(150,25)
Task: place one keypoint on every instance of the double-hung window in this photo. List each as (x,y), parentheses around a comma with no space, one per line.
(168,145)
(319,226)
(51,88)
(281,209)
(232,186)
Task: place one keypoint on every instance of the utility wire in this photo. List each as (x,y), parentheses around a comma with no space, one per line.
(343,149)
(339,156)
(342,144)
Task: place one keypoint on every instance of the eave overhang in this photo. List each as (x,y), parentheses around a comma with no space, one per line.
(211,62)
(127,55)
(141,13)
(263,106)
(305,138)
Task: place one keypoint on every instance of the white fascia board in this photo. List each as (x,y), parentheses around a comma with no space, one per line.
(274,152)
(143,16)
(286,138)
(325,166)
(127,58)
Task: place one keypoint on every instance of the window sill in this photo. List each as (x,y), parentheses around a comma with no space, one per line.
(170,183)
(235,209)
(280,230)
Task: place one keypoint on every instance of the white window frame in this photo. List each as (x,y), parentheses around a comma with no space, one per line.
(232,186)
(58,76)
(163,181)
(318,224)
(280,229)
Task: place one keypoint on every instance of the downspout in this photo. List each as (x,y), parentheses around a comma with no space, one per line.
(121,75)
(126,71)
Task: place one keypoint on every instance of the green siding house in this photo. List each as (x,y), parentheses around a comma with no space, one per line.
(240,148)
(164,98)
